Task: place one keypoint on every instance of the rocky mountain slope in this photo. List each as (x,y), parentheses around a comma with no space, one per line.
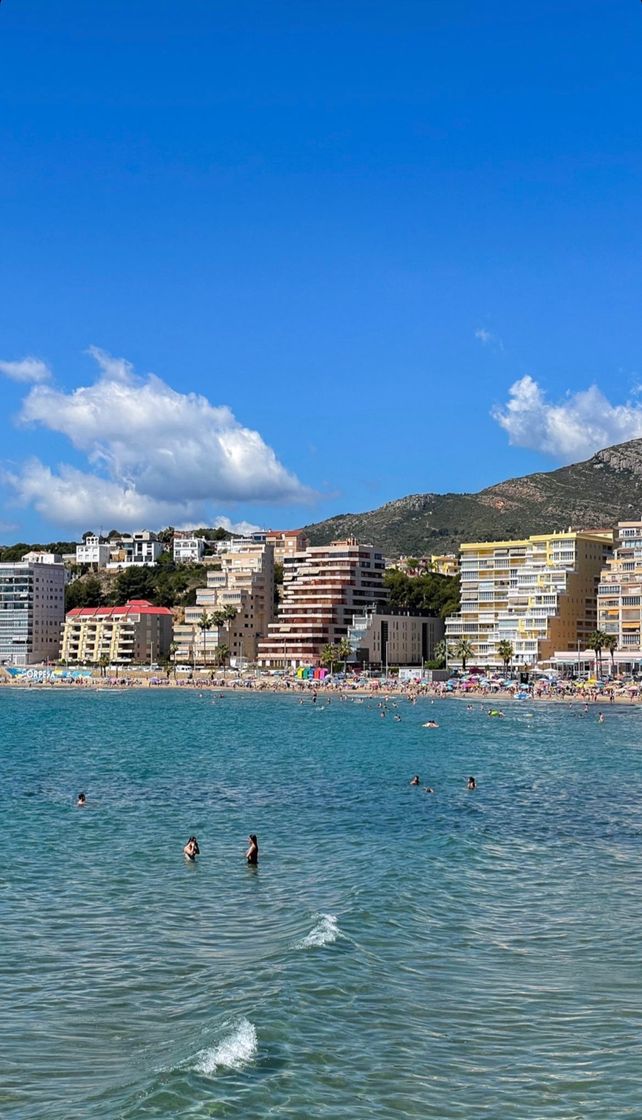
(592,494)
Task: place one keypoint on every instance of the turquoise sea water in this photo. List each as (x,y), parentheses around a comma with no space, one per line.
(395,954)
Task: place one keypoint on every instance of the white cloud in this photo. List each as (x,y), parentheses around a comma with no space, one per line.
(487,338)
(241,528)
(157,455)
(27,369)
(72,497)
(238,528)
(575,428)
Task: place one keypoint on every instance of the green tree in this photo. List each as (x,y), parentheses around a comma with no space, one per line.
(440,654)
(611,643)
(134,583)
(103,662)
(463,650)
(86,591)
(505,651)
(595,641)
(205,623)
(222,654)
(328,657)
(429,591)
(344,651)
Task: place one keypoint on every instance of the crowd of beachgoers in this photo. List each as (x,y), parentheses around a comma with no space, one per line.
(467,688)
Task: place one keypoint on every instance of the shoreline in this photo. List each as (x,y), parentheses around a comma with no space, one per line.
(301,689)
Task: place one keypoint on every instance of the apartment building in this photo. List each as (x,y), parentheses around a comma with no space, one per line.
(244,583)
(619,609)
(93,551)
(142,548)
(32,609)
(286,542)
(445,563)
(324,587)
(188,549)
(383,636)
(136,634)
(540,594)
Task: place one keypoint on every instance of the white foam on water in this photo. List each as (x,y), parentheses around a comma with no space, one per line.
(324,933)
(234,1051)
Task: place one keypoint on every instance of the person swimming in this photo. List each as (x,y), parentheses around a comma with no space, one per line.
(428,789)
(472,784)
(397,719)
(252,854)
(416,781)
(191,849)
(430,723)
(81,800)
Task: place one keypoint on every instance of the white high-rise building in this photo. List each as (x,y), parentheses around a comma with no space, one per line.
(32,609)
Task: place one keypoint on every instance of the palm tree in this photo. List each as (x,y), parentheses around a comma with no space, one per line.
(104,662)
(171,653)
(505,651)
(611,643)
(328,656)
(344,651)
(595,641)
(463,650)
(222,654)
(205,623)
(441,651)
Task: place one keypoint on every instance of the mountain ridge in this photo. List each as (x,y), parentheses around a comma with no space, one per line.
(594,493)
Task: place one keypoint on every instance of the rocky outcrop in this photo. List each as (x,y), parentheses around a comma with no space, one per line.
(592,494)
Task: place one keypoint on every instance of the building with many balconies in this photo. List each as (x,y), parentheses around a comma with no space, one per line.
(243,587)
(32,609)
(286,542)
(619,603)
(134,634)
(539,594)
(324,587)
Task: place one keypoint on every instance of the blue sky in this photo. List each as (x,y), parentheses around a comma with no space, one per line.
(337,234)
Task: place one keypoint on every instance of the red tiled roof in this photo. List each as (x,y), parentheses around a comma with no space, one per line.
(134,606)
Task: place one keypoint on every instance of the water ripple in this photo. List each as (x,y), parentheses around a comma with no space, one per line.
(456,955)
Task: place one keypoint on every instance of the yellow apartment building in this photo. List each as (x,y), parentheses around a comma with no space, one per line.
(539,593)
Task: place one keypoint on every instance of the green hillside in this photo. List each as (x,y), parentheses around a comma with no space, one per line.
(591,494)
